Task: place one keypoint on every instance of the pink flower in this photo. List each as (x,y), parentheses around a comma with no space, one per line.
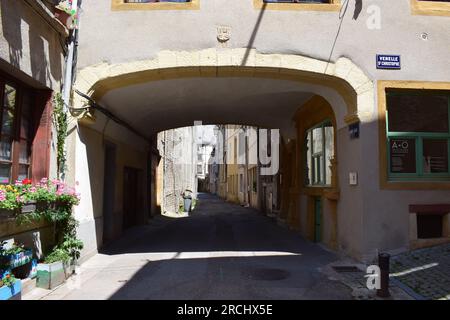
(18,183)
(60,190)
(33,189)
(19,199)
(2,195)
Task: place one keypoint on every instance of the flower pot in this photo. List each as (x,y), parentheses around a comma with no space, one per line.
(50,275)
(64,17)
(69,268)
(17,260)
(11,293)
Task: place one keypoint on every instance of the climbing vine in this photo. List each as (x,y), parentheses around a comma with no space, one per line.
(60,123)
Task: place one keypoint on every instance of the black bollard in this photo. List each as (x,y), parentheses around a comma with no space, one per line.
(383,263)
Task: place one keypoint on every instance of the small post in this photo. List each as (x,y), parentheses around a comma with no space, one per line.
(383,263)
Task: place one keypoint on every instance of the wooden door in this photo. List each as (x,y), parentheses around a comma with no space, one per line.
(131,197)
(109,187)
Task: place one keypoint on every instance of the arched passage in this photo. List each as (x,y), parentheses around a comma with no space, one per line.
(343,84)
(230,86)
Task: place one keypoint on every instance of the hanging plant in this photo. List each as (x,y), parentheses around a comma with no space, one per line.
(66,14)
(60,123)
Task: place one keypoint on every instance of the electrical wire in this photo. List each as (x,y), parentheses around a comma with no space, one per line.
(94,105)
(342,14)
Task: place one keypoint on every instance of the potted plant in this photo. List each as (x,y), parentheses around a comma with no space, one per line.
(60,264)
(72,246)
(51,272)
(11,287)
(51,201)
(65,14)
(16,256)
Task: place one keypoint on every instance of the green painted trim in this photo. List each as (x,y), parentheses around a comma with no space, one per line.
(418,136)
(314,156)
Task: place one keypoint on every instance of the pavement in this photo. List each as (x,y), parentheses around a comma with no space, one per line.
(220,251)
(426,272)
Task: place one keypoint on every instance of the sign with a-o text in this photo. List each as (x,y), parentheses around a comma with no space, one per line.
(390,62)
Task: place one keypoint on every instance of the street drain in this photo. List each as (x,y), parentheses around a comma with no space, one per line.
(342,269)
(266,274)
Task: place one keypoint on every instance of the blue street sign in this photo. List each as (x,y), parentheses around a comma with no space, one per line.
(392,62)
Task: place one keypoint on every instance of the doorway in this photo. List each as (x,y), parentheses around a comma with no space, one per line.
(109,189)
(131,196)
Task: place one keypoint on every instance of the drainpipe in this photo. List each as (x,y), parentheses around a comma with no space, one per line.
(68,77)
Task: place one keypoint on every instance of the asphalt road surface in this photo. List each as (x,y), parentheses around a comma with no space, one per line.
(221,251)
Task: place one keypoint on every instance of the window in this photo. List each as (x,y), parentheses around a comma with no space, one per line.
(15,133)
(319,5)
(431,7)
(155,4)
(319,147)
(418,135)
(429,226)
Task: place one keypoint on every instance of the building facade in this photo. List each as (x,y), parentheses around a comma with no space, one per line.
(362,115)
(32,65)
(178,167)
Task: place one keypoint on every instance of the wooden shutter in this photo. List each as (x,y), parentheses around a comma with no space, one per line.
(40,151)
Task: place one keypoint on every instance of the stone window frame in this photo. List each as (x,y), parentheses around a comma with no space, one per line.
(385,182)
(430,8)
(334,5)
(421,209)
(120,5)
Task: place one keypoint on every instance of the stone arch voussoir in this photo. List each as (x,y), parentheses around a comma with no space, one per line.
(343,76)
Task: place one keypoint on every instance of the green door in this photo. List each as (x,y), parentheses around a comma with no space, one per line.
(317,219)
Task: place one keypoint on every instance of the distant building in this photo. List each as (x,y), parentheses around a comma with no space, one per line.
(178,167)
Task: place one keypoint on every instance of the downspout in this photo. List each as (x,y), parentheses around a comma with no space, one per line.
(70,68)
(68,77)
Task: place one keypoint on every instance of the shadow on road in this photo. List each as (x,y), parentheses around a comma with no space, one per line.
(221,251)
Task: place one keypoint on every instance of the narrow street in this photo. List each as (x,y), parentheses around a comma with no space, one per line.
(222,251)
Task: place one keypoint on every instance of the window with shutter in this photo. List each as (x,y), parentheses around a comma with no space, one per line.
(24,132)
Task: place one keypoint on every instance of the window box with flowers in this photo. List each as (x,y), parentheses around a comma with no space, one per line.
(51,201)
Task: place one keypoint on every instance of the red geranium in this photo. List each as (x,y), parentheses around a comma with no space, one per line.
(26,181)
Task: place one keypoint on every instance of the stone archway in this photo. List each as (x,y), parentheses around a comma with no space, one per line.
(342,83)
(345,87)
